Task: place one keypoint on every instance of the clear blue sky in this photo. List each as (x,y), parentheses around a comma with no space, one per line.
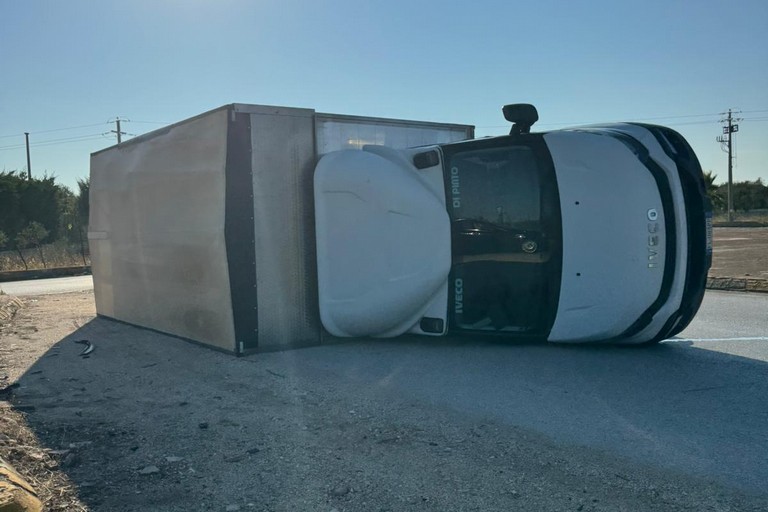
(73,63)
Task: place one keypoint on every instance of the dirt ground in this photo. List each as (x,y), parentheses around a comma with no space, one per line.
(150,422)
(740,252)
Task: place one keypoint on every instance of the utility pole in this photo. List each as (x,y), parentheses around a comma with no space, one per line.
(29,165)
(118,131)
(729,130)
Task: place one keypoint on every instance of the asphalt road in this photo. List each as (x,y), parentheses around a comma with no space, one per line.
(48,286)
(696,404)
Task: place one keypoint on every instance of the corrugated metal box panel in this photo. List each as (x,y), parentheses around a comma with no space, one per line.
(283,209)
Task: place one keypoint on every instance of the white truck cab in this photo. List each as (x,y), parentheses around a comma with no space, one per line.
(591,234)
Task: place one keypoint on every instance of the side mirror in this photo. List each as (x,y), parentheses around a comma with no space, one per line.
(522,115)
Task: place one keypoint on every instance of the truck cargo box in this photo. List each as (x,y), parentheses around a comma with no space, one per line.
(205,229)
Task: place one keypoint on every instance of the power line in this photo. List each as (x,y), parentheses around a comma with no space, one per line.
(606,122)
(150,122)
(91,137)
(49,142)
(69,128)
(53,130)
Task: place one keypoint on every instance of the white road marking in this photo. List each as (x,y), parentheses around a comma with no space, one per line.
(689,340)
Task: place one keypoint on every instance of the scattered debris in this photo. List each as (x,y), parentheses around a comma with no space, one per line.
(340,490)
(79,444)
(149,470)
(8,309)
(88,347)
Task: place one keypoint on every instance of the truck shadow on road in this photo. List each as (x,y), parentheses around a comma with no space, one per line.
(161,423)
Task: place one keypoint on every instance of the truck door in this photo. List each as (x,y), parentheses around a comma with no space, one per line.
(505,236)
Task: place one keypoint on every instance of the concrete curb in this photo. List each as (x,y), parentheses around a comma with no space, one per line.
(741,284)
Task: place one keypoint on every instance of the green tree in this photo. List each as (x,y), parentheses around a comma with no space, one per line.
(24,200)
(3,242)
(32,235)
(747,195)
(83,210)
(83,198)
(713,191)
(10,211)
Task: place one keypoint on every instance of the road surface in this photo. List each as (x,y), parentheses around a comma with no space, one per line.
(696,404)
(48,286)
(389,414)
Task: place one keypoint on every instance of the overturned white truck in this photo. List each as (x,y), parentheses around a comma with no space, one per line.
(253,228)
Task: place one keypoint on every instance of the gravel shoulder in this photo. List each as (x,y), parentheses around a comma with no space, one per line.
(150,422)
(740,252)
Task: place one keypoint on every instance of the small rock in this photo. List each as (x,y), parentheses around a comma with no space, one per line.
(203,425)
(232,508)
(70,460)
(251,451)
(340,490)
(174,459)
(79,444)
(149,470)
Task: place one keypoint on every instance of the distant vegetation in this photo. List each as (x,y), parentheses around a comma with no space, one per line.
(748,196)
(42,223)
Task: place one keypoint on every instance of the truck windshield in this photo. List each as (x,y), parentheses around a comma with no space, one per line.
(505,219)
